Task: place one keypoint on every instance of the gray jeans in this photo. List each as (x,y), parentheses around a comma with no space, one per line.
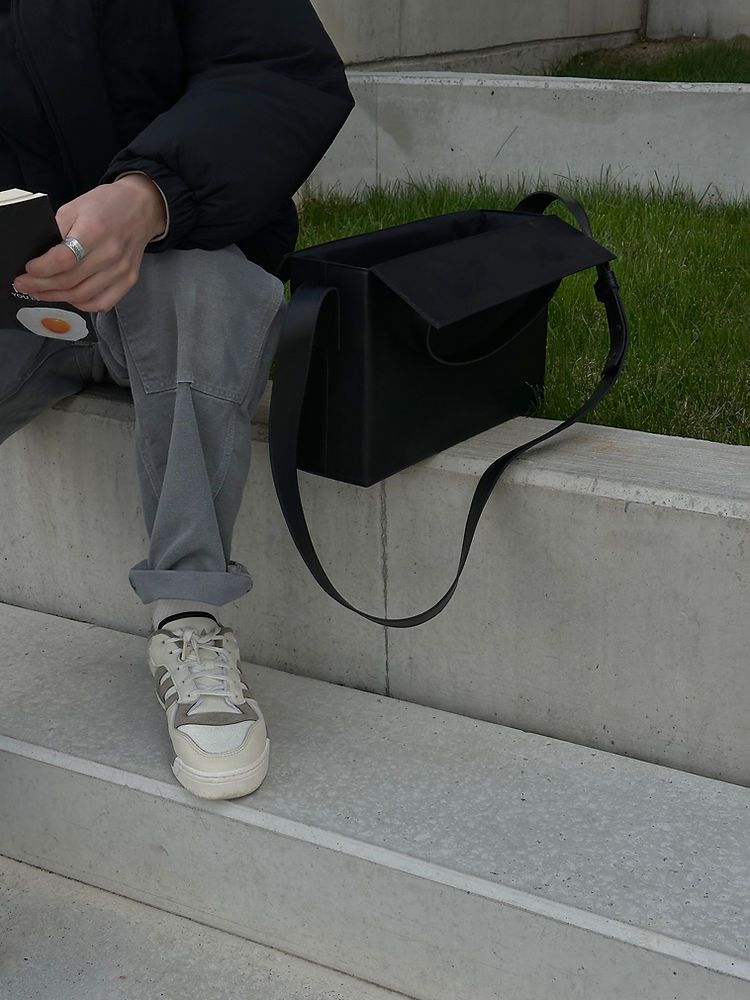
(194,340)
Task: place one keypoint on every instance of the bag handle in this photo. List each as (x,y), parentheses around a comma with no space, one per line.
(309,305)
(532,307)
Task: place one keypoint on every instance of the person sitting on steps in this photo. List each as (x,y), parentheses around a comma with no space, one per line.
(170,136)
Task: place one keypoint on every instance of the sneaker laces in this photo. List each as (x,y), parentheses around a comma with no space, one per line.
(207,663)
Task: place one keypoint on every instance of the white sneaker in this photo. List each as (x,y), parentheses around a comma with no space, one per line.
(216,728)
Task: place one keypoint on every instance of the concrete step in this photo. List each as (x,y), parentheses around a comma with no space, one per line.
(63,940)
(604,603)
(428,853)
(484,124)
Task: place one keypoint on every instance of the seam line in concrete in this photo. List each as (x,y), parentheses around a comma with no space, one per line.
(384,566)
(583,920)
(377,132)
(645,10)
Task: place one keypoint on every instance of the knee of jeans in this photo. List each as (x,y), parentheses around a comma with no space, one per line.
(206,321)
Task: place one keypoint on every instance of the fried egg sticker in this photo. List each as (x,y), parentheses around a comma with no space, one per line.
(60,324)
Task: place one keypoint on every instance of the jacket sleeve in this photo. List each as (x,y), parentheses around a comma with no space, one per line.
(265,96)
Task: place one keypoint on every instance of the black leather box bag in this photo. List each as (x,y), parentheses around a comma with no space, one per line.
(401,342)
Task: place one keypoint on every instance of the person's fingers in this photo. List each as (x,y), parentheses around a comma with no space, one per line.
(43,277)
(53,273)
(113,236)
(96,293)
(81,291)
(59,260)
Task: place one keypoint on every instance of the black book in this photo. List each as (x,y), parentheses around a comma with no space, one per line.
(27,230)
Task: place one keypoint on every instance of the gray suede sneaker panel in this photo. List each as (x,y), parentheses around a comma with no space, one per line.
(245,714)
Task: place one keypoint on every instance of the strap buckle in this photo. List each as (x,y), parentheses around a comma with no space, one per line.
(606,284)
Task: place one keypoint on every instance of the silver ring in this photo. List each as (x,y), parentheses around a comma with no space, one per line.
(72,244)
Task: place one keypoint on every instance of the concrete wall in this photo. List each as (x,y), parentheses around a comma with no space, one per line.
(705,18)
(465,126)
(605,601)
(513,36)
(436,30)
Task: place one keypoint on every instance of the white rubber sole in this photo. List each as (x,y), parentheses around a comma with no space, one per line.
(222,784)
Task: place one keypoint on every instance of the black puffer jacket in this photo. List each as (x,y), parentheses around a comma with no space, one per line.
(227,104)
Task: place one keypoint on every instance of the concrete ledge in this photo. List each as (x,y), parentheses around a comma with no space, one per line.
(467,126)
(607,595)
(415,849)
(63,940)
(605,601)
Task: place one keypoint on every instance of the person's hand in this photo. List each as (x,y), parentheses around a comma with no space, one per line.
(113,223)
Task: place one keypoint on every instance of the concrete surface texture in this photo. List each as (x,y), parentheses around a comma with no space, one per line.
(704,18)
(77,565)
(605,601)
(63,940)
(516,36)
(413,848)
(524,57)
(396,29)
(534,129)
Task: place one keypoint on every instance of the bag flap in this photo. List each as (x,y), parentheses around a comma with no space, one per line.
(454,280)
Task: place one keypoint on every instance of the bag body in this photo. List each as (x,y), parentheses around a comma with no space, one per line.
(441,334)
(376,402)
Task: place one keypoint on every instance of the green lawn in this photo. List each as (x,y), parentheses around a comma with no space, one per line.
(686,59)
(684,270)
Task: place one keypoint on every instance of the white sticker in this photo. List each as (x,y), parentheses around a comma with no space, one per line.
(60,324)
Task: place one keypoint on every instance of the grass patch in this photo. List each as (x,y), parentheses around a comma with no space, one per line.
(690,60)
(684,270)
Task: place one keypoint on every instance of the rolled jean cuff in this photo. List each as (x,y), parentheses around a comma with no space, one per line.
(190,585)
